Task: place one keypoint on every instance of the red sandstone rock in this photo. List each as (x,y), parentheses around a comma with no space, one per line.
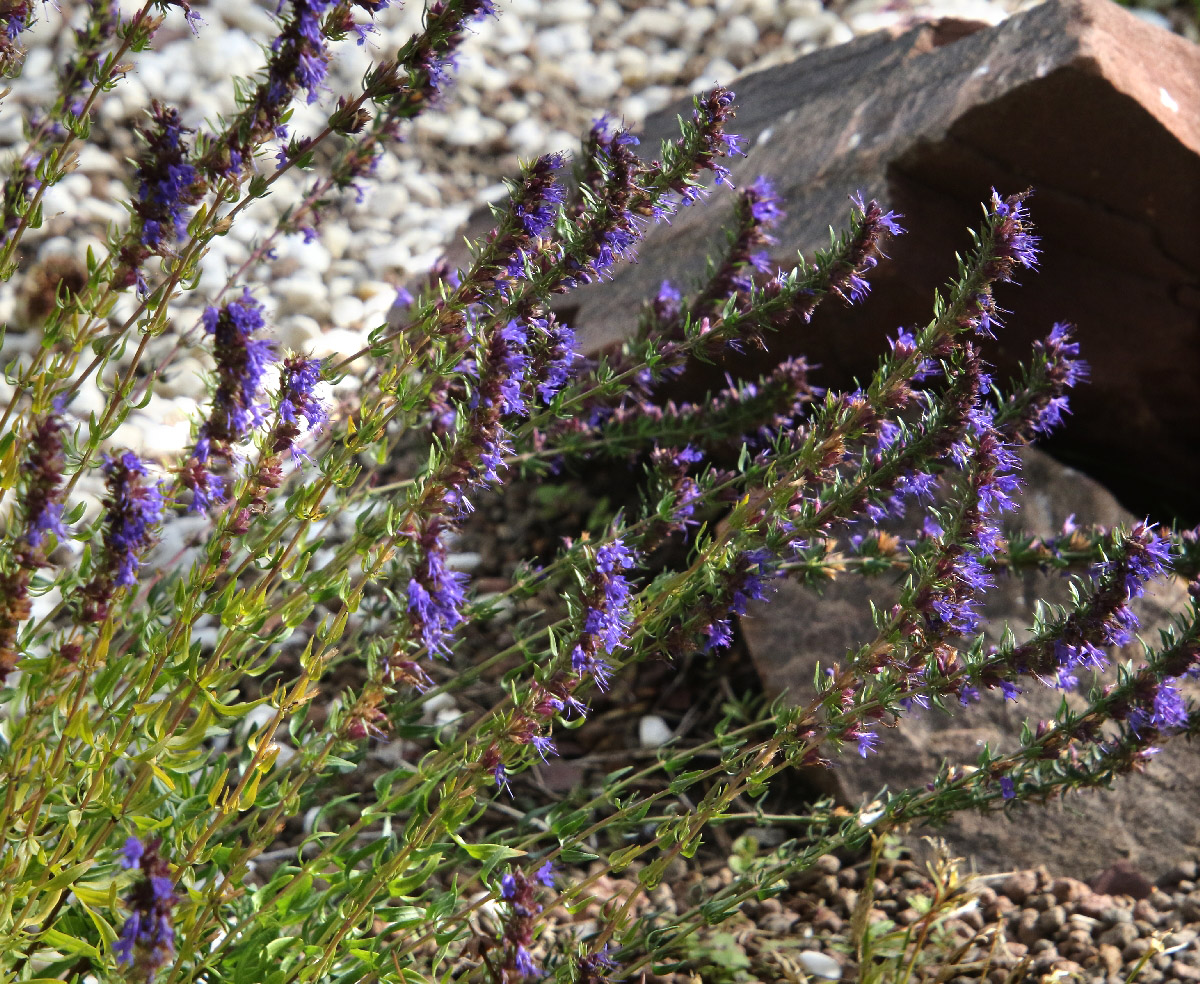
(1151,820)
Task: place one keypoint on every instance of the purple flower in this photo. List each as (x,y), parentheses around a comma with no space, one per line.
(207,489)
(436,613)
(1167,711)
(958,614)
(435,594)
(148,937)
(16,18)
(1008,788)
(543,745)
(553,368)
(131,853)
(545,874)
(885,221)
(526,966)
(867,740)
(168,185)
(584,662)
(606,619)
(132,510)
(764,203)
(298,380)
(1015,244)
(242,360)
(42,471)
(720,634)
(667,303)
(1119,627)
(748,581)
(847,277)
(539,205)
(482,444)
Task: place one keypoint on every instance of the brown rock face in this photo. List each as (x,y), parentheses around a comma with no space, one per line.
(1096,110)
(1149,820)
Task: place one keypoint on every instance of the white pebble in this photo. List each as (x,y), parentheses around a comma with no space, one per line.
(88,399)
(469,128)
(652,21)
(740,33)
(667,67)
(341,342)
(346,311)
(336,237)
(467,561)
(297,332)
(1154,17)
(286,754)
(422,190)
(874,20)
(367,289)
(56,246)
(839,33)
(436,703)
(528,137)
(214,272)
(446,717)
(809,28)
(302,295)
(11,131)
(57,200)
(634,65)
(129,435)
(164,441)
(389,200)
(103,212)
(393,256)
(312,256)
(565,12)
(718,72)
(478,75)
(653,731)
(699,21)
(595,82)
(340,285)
(565,41)
(249,17)
(819,964)
(511,111)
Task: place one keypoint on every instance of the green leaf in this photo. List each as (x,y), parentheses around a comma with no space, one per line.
(61,941)
(107,933)
(490,854)
(275,946)
(65,878)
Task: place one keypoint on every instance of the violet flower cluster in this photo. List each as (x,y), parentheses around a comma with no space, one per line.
(520,893)
(606,616)
(133,509)
(147,939)
(242,361)
(168,186)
